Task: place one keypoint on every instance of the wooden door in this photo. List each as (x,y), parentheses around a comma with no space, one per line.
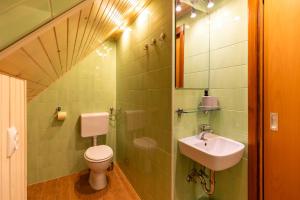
(282,96)
(13,178)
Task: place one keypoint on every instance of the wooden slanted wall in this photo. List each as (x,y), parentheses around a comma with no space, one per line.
(13,170)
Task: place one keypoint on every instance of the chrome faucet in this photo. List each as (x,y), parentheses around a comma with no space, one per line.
(204,129)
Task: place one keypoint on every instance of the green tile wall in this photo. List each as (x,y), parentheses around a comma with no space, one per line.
(56,148)
(144,95)
(185,126)
(196,49)
(63,5)
(20,17)
(228,81)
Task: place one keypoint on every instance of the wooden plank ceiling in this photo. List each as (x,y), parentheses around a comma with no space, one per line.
(46,54)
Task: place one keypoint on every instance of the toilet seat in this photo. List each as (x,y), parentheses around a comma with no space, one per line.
(98,153)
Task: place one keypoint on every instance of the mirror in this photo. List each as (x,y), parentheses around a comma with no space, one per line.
(192,44)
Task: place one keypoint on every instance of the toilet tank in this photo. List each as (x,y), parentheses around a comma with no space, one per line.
(93,124)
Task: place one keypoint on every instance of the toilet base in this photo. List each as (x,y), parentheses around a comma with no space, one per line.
(97,181)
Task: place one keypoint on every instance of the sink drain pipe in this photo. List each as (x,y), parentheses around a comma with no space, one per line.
(209,188)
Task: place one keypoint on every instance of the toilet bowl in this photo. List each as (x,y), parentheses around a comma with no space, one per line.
(99,159)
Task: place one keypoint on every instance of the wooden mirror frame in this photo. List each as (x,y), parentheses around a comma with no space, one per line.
(179,71)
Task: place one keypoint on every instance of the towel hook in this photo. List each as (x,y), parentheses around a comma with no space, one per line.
(111,110)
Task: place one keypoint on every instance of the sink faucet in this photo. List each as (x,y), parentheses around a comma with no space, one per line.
(204,129)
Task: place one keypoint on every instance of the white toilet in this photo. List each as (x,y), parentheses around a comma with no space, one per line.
(98,158)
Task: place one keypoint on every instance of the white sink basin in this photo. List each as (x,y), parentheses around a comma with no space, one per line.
(216,153)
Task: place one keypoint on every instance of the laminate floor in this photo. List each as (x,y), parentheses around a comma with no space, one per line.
(76,186)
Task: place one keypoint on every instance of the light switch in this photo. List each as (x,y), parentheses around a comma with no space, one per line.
(274,121)
(12,141)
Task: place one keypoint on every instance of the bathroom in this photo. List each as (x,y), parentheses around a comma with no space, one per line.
(149,99)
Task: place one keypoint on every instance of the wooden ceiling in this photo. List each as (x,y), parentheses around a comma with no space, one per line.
(49,52)
(185,8)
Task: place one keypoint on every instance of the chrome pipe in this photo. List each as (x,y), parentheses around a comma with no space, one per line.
(211,189)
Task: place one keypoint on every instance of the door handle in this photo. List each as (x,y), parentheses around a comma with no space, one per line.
(274,121)
(12,141)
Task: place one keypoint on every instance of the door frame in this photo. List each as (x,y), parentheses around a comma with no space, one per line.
(255,100)
(179,69)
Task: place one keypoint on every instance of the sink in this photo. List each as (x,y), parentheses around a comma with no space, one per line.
(216,153)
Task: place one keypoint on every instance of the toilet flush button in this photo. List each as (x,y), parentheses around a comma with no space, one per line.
(274,121)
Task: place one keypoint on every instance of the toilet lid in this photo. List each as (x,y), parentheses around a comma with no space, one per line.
(99,153)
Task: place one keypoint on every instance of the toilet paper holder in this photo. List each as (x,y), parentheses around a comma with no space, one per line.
(113,112)
(58,109)
(60,115)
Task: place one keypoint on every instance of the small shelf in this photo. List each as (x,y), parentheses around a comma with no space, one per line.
(209,108)
(204,109)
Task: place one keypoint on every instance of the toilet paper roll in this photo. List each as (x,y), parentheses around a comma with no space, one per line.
(61,115)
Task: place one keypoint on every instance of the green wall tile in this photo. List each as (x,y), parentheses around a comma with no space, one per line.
(56,148)
(228,81)
(18,18)
(144,80)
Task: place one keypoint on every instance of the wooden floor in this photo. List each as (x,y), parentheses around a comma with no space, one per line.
(76,186)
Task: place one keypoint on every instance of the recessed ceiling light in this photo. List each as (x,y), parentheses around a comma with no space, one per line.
(123,27)
(210,4)
(133,3)
(193,13)
(178,6)
(128,29)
